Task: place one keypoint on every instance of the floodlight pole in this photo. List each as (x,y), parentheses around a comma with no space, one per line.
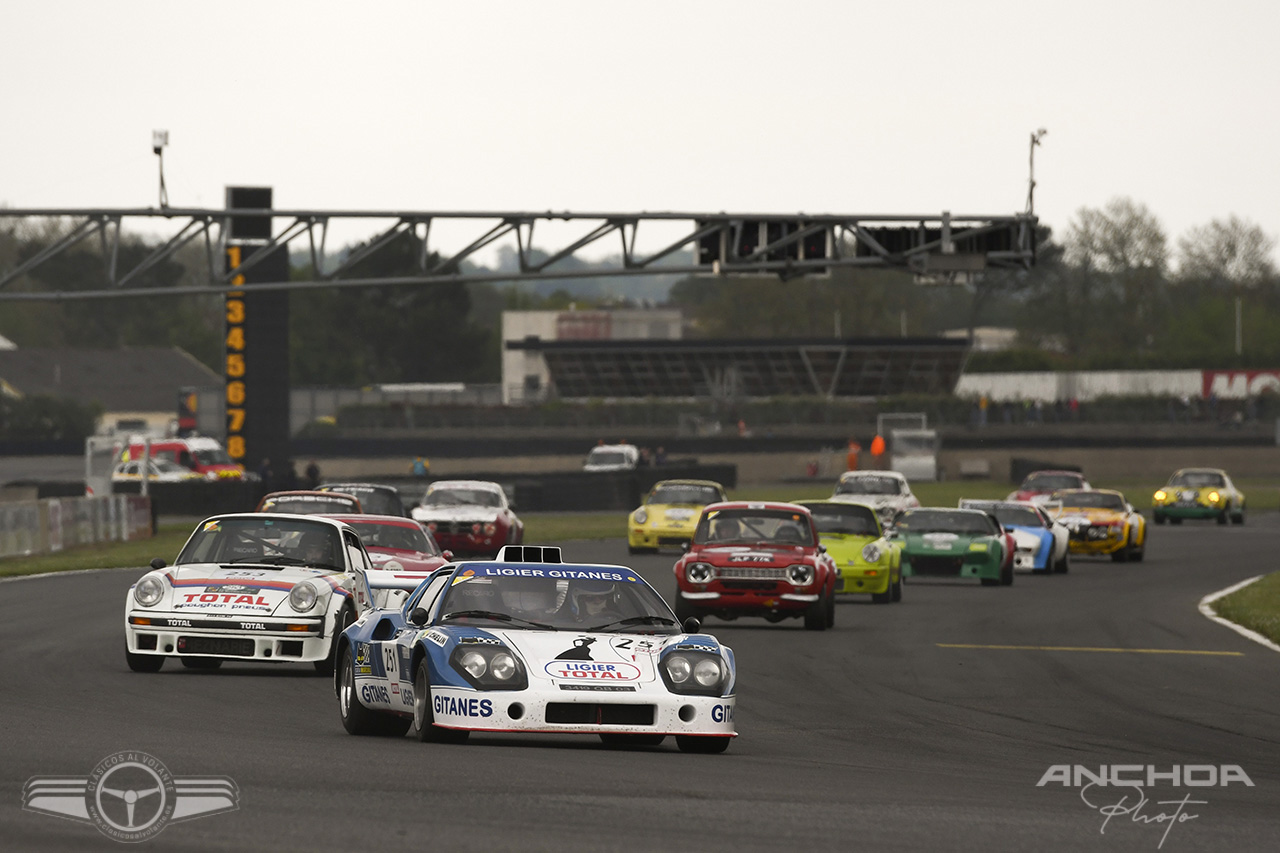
(1031,177)
(160,139)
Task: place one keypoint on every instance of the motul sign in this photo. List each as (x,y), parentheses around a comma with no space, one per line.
(1239,384)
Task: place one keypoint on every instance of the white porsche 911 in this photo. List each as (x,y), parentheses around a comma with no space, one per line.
(248,587)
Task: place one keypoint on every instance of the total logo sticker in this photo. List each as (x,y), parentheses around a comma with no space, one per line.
(589,670)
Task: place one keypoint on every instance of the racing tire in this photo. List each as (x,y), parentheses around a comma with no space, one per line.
(1158,518)
(704,744)
(815,618)
(1064,565)
(1222,518)
(325,666)
(356,718)
(882,597)
(201,663)
(621,740)
(423,724)
(1238,518)
(1120,556)
(1006,574)
(142,663)
(1175,520)
(685,610)
(895,590)
(831,609)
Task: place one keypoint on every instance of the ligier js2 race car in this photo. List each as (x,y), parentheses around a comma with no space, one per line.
(757,559)
(1102,522)
(249,587)
(966,543)
(1198,493)
(529,644)
(1040,543)
(865,561)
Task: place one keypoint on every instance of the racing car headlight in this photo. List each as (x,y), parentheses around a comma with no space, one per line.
(1161,495)
(1214,497)
(148,591)
(699,573)
(694,672)
(489,667)
(302,597)
(871,552)
(800,575)
(641,516)
(490,529)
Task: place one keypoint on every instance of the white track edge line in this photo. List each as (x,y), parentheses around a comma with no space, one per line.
(1207,611)
(73,572)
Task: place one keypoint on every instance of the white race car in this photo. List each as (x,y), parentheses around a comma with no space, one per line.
(249,587)
(887,492)
(1040,542)
(529,644)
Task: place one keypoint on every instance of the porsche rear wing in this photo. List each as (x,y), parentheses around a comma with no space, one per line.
(367,582)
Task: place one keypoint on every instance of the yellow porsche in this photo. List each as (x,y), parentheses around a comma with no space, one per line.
(670,513)
(1198,493)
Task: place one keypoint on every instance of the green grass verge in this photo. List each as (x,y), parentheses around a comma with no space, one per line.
(108,555)
(1256,607)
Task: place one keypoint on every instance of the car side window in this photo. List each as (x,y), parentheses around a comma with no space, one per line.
(356,555)
(429,595)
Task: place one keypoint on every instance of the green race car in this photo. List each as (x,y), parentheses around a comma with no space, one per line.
(865,560)
(965,543)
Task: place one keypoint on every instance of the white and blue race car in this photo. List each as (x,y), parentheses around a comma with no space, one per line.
(1040,542)
(529,644)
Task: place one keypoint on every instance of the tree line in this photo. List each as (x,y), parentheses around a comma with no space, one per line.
(1112,291)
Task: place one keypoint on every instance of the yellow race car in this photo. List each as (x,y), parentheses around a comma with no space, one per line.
(1101,521)
(670,513)
(1198,493)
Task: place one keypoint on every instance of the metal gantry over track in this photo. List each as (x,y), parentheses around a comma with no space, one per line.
(938,247)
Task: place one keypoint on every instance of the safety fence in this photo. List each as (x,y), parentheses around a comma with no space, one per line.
(46,526)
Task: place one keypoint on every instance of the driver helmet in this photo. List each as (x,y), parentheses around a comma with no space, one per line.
(593,597)
(726,528)
(314,547)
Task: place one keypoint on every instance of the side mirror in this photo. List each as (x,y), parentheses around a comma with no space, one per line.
(685,546)
(691,625)
(158,563)
(418,616)
(448,555)
(822,549)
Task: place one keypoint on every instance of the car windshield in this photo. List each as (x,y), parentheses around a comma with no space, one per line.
(754,527)
(606,457)
(396,537)
(373,501)
(575,599)
(461,497)
(1197,479)
(945,521)
(1009,515)
(848,519)
(272,541)
(869,485)
(308,504)
(213,456)
(167,466)
(1091,500)
(1051,482)
(685,494)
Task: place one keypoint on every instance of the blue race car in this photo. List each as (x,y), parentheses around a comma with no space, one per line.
(1040,544)
(527,643)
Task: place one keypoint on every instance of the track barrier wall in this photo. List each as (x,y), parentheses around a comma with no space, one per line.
(54,524)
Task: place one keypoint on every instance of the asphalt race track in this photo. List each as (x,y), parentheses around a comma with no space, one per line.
(878,735)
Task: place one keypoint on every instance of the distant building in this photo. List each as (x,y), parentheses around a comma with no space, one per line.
(137,387)
(525,375)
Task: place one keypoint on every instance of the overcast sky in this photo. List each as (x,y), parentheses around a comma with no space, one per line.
(806,105)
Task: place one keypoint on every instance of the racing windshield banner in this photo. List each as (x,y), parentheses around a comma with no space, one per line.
(556,574)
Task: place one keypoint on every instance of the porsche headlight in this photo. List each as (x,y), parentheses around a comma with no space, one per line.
(694,672)
(302,597)
(800,575)
(699,573)
(1214,497)
(641,516)
(871,552)
(1161,495)
(148,591)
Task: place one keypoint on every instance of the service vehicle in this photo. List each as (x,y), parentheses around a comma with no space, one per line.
(760,559)
(159,470)
(527,643)
(200,454)
(670,513)
(1198,493)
